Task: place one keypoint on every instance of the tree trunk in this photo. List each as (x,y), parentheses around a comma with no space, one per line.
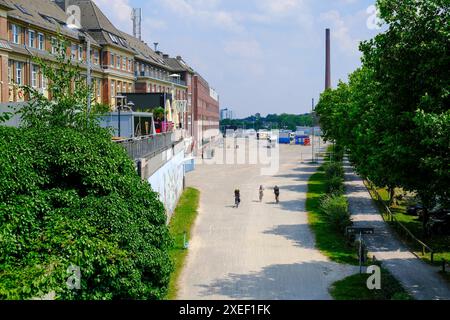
(391,196)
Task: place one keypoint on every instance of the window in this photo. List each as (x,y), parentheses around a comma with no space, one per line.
(55,45)
(130,64)
(73,51)
(22,9)
(112,56)
(16,30)
(130,87)
(119,88)
(113,38)
(41,41)
(31,38)
(80,53)
(19,74)
(113,88)
(44,81)
(10,64)
(124,63)
(98,88)
(34,76)
(124,87)
(118,62)
(96,57)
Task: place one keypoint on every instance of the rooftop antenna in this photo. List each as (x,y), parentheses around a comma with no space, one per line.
(156,46)
(136,16)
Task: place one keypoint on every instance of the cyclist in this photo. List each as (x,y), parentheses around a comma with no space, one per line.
(261,193)
(276,190)
(237,197)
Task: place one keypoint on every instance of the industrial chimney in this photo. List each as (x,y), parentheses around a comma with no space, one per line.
(328,60)
(136,16)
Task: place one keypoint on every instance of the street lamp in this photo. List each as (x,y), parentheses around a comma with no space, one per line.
(178,77)
(84,38)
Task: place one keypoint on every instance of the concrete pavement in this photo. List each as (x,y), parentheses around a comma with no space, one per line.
(261,250)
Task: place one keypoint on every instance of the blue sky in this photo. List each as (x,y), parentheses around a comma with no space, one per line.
(263,56)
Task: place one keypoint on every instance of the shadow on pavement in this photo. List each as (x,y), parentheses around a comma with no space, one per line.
(298,233)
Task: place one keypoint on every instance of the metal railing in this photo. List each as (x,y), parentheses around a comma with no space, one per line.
(148,146)
(388,216)
(155,75)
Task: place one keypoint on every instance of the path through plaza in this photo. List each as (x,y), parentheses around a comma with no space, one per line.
(261,250)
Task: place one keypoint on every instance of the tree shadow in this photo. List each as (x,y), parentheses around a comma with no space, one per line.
(298,281)
(300,234)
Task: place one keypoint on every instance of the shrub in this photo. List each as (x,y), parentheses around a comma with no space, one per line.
(334,169)
(335,186)
(73,197)
(335,209)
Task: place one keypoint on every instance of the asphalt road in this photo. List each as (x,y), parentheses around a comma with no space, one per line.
(260,250)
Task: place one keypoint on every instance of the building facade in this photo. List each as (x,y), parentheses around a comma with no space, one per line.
(120,63)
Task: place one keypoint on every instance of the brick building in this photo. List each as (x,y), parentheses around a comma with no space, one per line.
(121,63)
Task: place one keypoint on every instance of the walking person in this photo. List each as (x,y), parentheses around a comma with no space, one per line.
(237,198)
(276,191)
(261,193)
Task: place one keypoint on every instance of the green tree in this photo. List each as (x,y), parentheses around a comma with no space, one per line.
(70,196)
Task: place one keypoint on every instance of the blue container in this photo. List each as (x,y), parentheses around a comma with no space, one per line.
(284,140)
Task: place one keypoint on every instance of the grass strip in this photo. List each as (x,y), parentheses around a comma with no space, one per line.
(181,223)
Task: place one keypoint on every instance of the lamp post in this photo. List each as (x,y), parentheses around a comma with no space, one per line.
(84,38)
(178,77)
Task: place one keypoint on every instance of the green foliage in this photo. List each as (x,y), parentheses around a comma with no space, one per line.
(335,185)
(329,240)
(392,115)
(158,113)
(333,169)
(272,121)
(73,197)
(181,223)
(68,90)
(5,116)
(335,210)
(69,196)
(355,288)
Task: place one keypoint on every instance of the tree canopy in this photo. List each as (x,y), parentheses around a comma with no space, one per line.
(393,113)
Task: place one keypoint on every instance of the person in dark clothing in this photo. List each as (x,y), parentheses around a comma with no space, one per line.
(276,191)
(237,197)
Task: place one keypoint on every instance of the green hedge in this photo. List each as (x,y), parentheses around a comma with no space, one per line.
(70,197)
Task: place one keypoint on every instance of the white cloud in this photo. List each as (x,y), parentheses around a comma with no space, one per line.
(205,12)
(340,32)
(243,49)
(118,12)
(280,7)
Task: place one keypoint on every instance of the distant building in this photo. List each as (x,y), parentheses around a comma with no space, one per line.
(226,114)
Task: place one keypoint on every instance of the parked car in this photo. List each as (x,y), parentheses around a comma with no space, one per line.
(439,222)
(414,210)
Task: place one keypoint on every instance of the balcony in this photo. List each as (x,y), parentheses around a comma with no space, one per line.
(154,75)
(148,146)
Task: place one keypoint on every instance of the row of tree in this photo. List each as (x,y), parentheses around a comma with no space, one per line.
(271,121)
(393,114)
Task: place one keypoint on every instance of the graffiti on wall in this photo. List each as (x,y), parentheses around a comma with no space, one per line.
(168,182)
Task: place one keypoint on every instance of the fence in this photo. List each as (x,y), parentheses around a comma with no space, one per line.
(148,146)
(390,217)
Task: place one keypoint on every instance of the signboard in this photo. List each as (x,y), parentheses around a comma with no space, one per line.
(353,230)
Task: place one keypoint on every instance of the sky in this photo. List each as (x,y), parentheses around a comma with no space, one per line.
(262,56)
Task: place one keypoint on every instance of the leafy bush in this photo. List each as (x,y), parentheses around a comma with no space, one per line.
(334,169)
(73,197)
(335,209)
(335,186)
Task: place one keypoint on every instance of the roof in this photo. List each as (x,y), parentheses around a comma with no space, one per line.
(42,13)
(144,52)
(95,22)
(179,65)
